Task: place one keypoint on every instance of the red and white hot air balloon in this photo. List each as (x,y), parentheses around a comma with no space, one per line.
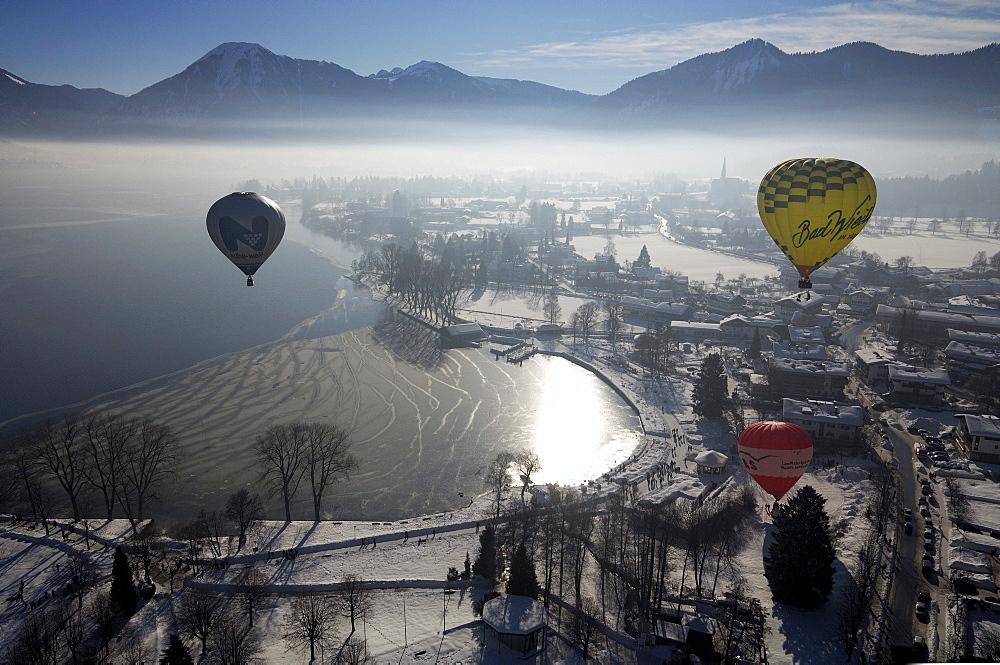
(776,454)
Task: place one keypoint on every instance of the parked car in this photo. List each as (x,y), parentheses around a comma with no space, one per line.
(929,544)
(908,514)
(924,597)
(908,528)
(920,610)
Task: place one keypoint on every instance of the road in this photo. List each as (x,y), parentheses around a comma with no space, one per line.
(910,578)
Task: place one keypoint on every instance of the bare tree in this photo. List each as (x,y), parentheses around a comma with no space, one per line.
(311,622)
(355,598)
(146,459)
(498,478)
(613,322)
(58,447)
(35,642)
(328,457)
(82,577)
(246,511)
(23,465)
(234,641)
(958,502)
(859,593)
(211,528)
(281,454)
(142,548)
(104,613)
(551,310)
(585,319)
(73,627)
(106,437)
(526,463)
(585,625)
(197,616)
(252,587)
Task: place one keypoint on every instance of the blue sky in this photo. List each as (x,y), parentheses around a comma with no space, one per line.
(584,45)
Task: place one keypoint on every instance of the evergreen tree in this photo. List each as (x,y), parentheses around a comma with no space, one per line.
(711,390)
(486,560)
(643,261)
(799,562)
(122,586)
(522,581)
(754,351)
(176,653)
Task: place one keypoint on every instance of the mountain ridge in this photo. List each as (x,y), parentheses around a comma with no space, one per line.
(242,81)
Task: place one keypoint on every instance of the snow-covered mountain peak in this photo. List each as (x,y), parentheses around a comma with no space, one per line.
(743,62)
(425,68)
(240,63)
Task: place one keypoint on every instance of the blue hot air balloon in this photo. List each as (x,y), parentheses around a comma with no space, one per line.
(247,228)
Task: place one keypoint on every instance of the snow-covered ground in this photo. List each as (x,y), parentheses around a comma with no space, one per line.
(407,559)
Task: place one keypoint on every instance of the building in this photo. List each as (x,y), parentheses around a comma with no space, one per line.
(932,325)
(725,303)
(463,334)
(695,331)
(710,462)
(799,352)
(805,302)
(825,421)
(517,623)
(649,314)
(790,377)
(872,364)
(739,328)
(981,339)
(965,361)
(979,436)
(917,384)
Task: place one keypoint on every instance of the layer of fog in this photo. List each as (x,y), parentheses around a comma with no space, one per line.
(508,152)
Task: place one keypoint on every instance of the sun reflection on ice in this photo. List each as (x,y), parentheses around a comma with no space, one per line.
(572,435)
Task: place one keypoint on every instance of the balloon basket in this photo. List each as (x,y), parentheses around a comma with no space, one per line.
(805,283)
(249,281)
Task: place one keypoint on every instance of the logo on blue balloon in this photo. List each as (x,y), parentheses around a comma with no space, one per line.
(233,232)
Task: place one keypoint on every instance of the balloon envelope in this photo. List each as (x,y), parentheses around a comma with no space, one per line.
(776,454)
(247,228)
(813,208)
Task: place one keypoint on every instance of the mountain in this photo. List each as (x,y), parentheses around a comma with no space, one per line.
(26,106)
(749,87)
(247,81)
(755,78)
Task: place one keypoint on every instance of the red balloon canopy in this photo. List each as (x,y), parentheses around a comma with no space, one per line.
(776,454)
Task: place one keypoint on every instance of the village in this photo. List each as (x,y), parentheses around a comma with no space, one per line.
(891,369)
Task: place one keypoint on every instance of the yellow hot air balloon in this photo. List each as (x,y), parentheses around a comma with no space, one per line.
(813,208)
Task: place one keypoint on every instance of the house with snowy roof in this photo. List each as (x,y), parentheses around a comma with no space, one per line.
(649,314)
(740,328)
(805,302)
(825,421)
(917,384)
(979,437)
(724,302)
(788,377)
(872,364)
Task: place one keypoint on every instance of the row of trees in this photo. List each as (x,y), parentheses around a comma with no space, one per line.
(429,287)
(223,626)
(317,454)
(117,460)
(641,553)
